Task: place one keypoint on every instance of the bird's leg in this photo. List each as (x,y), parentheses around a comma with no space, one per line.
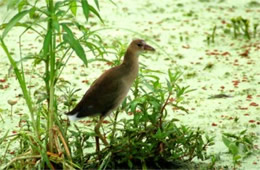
(97,127)
(97,144)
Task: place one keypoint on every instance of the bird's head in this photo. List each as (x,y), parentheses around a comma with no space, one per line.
(138,46)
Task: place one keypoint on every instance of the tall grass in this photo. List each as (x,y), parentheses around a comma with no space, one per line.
(54,55)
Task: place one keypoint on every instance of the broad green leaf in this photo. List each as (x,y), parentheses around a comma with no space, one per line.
(85,7)
(158,134)
(92,9)
(130,164)
(97,4)
(75,45)
(233,148)
(73,7)
(226,141)
(236,158)
(13,21)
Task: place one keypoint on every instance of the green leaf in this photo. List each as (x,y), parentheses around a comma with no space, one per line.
(169,86)
(46,43)
(13,21)
(137,118)
(32,12)
(92,9)
(56,24)
(22,4)
(236,158)
(12,3)
(85,7)
(226,141)
(233,149)
(130,164)
(97,4)
(2,139)
(75,45)
(73,7)
(22,82)
(243,132)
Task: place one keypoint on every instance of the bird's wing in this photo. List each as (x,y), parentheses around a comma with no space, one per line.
(101,96)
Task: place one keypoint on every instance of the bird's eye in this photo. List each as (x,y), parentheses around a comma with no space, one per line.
(139,45)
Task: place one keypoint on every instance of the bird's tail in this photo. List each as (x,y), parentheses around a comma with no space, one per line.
(72,115)
(72,112)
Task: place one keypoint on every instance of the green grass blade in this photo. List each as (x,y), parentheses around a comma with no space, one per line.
(85,7)
(2,139)
(73,7)
(92,9)
(13,21)
(97,4)
(46,43)
(75,45)
(22,83)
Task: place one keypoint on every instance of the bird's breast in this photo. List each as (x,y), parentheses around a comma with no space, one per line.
(125,85)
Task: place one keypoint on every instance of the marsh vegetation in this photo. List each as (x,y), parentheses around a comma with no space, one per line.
(193,105)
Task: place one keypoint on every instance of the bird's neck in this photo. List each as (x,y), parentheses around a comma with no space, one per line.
(131,59)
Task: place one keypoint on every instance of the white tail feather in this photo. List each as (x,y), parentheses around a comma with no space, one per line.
(73,117)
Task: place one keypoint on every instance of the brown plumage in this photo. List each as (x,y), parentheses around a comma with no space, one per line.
(110,89)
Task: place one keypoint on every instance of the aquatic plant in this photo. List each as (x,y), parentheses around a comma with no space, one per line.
(239,145)
(211,37)
(242,25)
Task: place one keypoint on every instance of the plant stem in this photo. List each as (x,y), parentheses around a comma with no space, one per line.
(2,118)
(213,34)
(11,112)
(255,30)
(114,126)
(163,108)
(20,158)
(52,77)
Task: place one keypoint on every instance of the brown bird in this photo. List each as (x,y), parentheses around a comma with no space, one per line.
(110,89)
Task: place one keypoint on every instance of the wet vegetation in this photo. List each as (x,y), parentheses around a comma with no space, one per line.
(147,137)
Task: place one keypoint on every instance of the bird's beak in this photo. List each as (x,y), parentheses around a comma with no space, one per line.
(148,48)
